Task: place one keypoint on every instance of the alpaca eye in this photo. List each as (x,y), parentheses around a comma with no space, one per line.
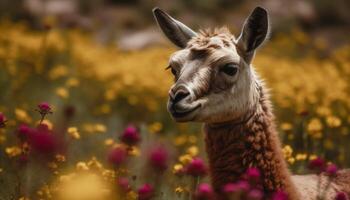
(173,71)
(229,69)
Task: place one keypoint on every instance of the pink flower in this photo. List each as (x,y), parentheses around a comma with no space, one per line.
(158,158)
(44,107)
(117,156)
(280,195)
(130,136)
(145,192)
(123,184)
(253,174)
(43,140)
(317,164)
(24,132)
(236,187)
(341,196)
(204,192)
(255,194)
(331,170)
(2,120)
(196,167)
(230,188)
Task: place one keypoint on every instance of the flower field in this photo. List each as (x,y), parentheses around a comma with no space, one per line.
(85,121)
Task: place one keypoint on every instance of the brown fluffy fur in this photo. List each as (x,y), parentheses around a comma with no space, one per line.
(253,142)
(235,146)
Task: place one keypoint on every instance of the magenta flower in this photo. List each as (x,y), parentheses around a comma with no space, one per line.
(44,109)
(204,192)
(196,167)
(318,165)
(2,120)
(130,136)
(24,132)
(43,140)
(341,196)
(145,192)
(331,170)
(236,187)
(123,184)
(253,174)
(280,195)
(158,158)
(117,156)
(255,194)
(230,188)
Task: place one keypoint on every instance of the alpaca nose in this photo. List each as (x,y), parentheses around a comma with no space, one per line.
(178,94)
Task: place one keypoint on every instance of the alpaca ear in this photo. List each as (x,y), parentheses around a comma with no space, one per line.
(175,31)
(254,32)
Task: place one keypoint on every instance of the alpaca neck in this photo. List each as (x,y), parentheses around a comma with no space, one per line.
(252,141)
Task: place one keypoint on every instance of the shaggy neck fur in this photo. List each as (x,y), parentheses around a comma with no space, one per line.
(252,141)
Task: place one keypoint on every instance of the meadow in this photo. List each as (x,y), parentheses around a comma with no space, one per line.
(101,126)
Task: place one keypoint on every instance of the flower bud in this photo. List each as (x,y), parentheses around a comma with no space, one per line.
(145,192)
(130,136)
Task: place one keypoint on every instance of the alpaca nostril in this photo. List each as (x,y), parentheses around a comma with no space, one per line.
(180,95)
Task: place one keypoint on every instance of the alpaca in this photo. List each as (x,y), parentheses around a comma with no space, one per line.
(216,84)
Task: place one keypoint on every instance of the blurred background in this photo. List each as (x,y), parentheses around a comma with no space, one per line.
(100,66)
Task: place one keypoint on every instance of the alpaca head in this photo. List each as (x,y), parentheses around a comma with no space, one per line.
(214,81)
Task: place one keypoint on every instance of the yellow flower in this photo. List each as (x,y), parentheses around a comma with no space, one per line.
(73,132)
(179,190)
(82,166)
(314,125)
(22,116)
(84,186)
(314,128)
(94,163)
(313,157)
(193,151)
(184,159)
(180,140)
(301,156)
(2,138)
(177,168)
(110,95)
(109,142)
(13,151)
(58,71)
(94,128)
(287,151)
(100,128)
(23,198)
(155,127)
(134,151)
(60,158)
(333,121)
(62,92)
(286,126)
(72,82)
(291,160)
(323,111)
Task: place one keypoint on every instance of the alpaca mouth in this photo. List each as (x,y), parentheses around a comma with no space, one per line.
(183,114)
